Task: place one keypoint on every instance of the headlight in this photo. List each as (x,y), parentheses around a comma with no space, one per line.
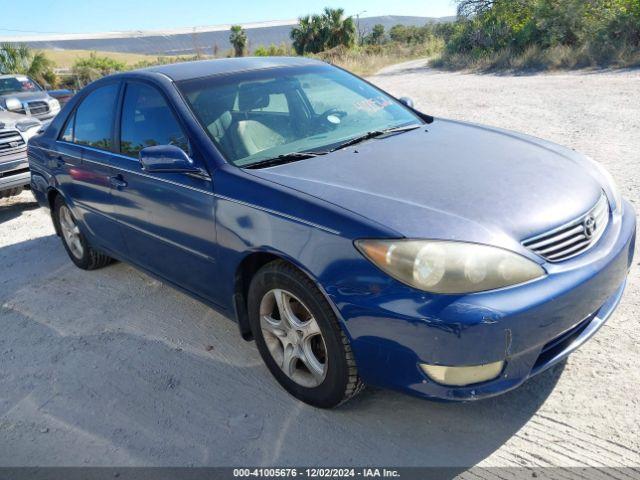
(25,125)
(54,104)
(12,104)
(449,267)
(611,184)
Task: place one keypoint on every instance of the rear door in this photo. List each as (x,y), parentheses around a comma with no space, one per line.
(85,150)
(167,218)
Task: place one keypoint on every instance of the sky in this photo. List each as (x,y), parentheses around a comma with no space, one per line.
(84,16)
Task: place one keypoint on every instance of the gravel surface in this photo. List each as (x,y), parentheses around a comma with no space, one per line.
(114,368)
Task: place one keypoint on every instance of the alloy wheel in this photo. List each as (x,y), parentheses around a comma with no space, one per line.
(70,232)
(293,338)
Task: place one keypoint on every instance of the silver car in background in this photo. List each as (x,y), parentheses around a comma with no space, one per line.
(15,132)
(21,94)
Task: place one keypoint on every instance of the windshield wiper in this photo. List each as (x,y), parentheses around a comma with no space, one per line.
(285,158)
(293,156)
(375,134)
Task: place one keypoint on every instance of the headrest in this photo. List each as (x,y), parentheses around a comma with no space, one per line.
(252,96)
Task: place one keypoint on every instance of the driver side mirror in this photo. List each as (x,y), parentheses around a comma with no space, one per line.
(406,101)
(166,159)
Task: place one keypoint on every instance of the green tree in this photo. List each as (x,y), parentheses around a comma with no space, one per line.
(340,30)
(306,35)
(316,33)
(238,39)
(23,60)
(411,34)
(377,35)
(565,32)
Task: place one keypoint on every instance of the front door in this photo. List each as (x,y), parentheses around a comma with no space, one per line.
(167,218)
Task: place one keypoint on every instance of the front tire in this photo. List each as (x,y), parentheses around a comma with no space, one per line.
(74,241)
(299,337)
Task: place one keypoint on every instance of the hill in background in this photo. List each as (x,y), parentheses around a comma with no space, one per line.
(189,41)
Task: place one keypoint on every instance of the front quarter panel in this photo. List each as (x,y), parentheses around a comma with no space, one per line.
(255,215)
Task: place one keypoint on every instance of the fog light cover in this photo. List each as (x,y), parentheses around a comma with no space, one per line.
(462,376)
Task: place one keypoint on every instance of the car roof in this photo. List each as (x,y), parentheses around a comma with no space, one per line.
(204,68)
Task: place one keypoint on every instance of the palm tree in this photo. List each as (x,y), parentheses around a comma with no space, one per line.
(238,39)
(316,33)
(303,35)
(21,59)
(341,31)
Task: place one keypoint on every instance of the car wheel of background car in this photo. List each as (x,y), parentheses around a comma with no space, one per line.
(299,338)
(74,241)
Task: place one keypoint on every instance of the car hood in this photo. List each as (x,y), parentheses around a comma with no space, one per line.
(452,180)
(9,119)
(26,96)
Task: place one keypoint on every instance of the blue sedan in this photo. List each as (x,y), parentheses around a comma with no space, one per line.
(355,239)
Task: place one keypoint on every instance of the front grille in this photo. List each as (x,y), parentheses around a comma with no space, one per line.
(10,141)
(14,172)
(574,238)
(38,108)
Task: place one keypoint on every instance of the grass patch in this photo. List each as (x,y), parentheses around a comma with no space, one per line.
(66,58)
(369,59)
(534,58)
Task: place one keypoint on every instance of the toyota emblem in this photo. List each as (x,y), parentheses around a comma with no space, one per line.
(589,226)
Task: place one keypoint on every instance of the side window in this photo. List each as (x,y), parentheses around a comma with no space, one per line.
(147,120)
(67,135)
(94,118)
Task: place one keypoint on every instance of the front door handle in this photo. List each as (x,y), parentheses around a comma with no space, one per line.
(117,182)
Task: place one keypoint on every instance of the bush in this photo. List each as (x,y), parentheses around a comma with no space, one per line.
(368,59)
(93,67)
(272,50)
(543,34)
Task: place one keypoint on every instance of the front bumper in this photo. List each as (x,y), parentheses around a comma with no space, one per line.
(531,327)
(14,170)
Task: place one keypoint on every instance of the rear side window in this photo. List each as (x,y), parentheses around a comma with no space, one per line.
(94,118)
(147,121)
(67,135)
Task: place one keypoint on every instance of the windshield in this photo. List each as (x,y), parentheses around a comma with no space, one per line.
(259,115)
(17,84)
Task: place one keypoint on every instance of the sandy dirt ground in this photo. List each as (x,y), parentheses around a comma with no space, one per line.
(113,368)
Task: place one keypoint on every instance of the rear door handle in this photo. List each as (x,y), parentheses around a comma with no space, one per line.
(117,182)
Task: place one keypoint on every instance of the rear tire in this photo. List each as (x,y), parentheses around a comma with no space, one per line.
(304,348)
(74,241)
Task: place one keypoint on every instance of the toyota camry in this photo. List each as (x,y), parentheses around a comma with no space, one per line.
(356,239)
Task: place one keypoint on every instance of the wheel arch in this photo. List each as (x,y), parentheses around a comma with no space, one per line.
(245,272)
(52,194)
